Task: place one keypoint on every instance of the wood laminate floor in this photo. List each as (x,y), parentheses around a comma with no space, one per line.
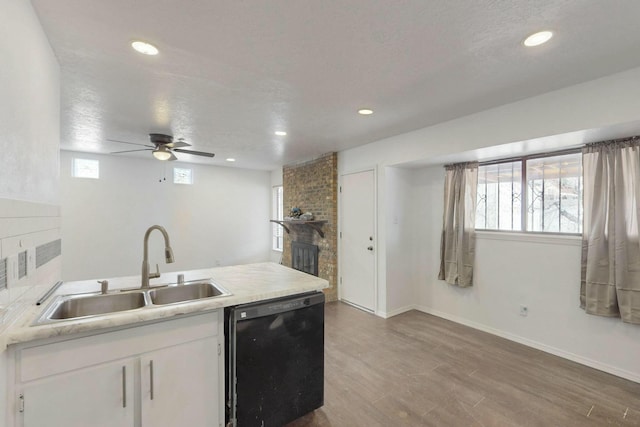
(420,370)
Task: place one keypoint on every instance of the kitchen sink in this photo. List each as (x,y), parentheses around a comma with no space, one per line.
(69,307)
(75,306)
(190,291)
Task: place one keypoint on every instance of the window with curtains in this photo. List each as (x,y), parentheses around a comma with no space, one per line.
(610,263)
(531,194)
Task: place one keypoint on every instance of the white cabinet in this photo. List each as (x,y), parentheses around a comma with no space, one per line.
(100,396)
(169,373)
(179,385)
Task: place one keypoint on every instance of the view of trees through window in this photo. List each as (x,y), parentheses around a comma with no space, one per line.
(542,194)
(500,196)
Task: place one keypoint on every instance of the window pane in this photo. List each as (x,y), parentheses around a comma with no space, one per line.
(86,168)
(182,176)
(499,204)
(554,199)
(278,213)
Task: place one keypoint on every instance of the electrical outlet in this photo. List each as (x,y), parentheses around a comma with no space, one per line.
(524,310)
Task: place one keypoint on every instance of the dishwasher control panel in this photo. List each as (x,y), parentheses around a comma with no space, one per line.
(265,308)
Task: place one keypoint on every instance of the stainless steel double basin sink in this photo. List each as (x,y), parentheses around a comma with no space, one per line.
(79,306)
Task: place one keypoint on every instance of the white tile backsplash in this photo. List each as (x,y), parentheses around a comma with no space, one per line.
(27,229)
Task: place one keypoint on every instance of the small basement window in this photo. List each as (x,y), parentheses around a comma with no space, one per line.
(182,176)
(86,168)
(540,194)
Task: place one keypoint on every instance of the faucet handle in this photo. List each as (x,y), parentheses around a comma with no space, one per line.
(104,286)
(156,274)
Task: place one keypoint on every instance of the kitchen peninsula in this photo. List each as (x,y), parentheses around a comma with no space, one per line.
(155,365)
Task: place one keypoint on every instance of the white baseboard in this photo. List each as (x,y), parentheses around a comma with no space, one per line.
(395,312)
(537,345)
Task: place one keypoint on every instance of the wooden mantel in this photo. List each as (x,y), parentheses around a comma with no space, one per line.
(316,225)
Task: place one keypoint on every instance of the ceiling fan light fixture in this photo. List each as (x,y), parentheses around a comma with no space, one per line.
(162,153)
(163,147)
(365,111)
(144,47)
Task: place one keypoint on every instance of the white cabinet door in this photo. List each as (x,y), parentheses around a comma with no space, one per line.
(100,396)
(180,385)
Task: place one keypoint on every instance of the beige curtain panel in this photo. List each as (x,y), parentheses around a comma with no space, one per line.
(458,245)
(610,284)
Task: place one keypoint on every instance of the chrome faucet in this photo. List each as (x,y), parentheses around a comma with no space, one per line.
(168,254)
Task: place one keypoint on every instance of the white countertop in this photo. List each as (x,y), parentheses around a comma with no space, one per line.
(247,283)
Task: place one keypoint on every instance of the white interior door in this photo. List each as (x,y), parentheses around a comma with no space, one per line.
(358,246)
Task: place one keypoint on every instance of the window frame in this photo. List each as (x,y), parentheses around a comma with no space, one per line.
(525,192)
(191,178)
(84,159)
(277,210)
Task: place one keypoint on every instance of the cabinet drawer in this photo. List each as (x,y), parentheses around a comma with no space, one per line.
(38,361)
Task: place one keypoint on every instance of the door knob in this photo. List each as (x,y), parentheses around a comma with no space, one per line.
(370,248)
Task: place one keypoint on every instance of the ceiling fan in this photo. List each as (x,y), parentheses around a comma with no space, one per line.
(163,147)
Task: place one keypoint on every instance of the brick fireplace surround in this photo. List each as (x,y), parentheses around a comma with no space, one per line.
(313,187)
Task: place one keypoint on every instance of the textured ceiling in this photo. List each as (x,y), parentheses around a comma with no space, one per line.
(230,73)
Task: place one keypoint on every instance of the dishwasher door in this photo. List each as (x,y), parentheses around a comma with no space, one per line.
(276,360)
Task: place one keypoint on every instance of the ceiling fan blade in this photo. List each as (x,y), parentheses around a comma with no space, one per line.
(131,143)
(195,153)
(131,151)
(179,143)
(172,158)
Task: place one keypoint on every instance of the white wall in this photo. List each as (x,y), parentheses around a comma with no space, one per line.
(401,242)
(539,272)
(29,107)
(222,219)
(29,141)
(534,124)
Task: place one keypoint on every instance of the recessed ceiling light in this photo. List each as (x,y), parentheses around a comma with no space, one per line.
(280,133)
(231,159)
(538,38)
(365,111)
(144,48)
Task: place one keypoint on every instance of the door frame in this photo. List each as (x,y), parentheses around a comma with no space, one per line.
(373,169)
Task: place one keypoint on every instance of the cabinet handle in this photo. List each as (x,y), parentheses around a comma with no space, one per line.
(151,377)
(124,386)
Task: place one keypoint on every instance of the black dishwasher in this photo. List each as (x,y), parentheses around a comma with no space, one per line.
(275,360)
